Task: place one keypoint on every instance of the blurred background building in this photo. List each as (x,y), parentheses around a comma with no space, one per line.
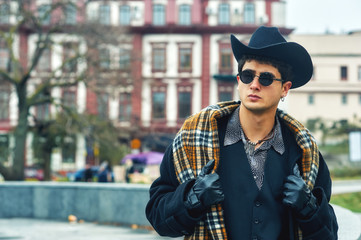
(175,59)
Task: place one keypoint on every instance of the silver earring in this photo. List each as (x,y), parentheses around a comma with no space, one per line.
(282,99)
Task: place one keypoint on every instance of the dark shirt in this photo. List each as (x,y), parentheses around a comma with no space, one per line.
(257,157)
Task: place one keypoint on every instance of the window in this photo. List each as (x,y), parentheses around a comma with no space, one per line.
(158,59)
(104,14)
(359,73)
(185,59)
(344,99)
(158,15)
(311,99)
(225,92)
(44,63)
(4,13)
(184,14)
(69,99)
(124,58)
(4,56)
(343,73)
(249,13)
(223,17)
(42,112)
(4,103)
(68,149)
(125,107)
(359,99)
(104,58)
(184,102)
(225,53)
(70,14)
(69,57)
(225,96)
(44,14)
(158,104)
(102,103)
(124,15)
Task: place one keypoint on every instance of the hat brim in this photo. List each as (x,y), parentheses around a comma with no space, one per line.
(289,52)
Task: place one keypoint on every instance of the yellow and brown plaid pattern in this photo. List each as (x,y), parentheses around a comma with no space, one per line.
(197,143)
(310,152)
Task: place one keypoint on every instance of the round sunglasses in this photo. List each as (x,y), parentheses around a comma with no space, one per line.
(265,78)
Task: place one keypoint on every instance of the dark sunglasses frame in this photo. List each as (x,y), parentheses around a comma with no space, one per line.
(265,78)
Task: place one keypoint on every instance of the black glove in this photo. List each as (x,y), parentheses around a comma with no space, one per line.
(206,190)
(298,196)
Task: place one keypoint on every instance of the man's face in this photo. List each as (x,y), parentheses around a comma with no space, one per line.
(256,97)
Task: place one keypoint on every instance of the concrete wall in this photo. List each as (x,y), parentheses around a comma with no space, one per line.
(104,203)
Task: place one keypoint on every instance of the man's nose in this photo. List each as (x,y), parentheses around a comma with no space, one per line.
(255,83)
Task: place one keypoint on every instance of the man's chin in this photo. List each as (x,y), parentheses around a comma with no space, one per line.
(258,108)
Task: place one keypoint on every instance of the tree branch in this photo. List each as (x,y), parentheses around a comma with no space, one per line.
(5,76)
(41,101)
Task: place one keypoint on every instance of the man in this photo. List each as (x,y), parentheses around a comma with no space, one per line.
(88,174)
(246,170)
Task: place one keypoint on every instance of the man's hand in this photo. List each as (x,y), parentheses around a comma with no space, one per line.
(298,196)
(206,190)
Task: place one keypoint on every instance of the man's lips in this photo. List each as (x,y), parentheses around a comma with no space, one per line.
(254,97)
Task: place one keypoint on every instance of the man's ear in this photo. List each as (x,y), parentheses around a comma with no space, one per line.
(286,87)
(238,78)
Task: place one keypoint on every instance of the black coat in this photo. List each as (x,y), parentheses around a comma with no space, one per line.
(169,217)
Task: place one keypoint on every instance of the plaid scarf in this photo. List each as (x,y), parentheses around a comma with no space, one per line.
(197,143)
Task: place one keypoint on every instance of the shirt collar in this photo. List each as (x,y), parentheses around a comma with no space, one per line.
(234,133)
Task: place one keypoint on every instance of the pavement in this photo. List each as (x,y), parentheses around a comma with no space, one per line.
(349,224)
(37,229)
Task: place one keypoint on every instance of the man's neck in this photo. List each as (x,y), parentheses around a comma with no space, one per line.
(256,125)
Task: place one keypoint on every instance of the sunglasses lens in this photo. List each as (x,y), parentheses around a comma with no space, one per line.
(266,79)
(247,76)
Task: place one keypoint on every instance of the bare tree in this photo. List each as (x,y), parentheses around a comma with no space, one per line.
(85,63)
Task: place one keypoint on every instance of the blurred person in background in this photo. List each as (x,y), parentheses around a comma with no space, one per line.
(88,174)
(129,170)
(245,169)
(104,172)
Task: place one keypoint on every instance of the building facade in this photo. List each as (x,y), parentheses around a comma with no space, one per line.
(334,92)
(187,61)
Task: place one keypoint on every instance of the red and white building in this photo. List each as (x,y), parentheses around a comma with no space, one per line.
(187,61)
(180,56)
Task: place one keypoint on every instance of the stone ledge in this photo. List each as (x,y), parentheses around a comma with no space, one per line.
(101,202)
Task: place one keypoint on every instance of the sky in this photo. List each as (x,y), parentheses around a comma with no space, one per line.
(319,16)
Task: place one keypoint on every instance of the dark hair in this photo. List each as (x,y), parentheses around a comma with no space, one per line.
(284,68)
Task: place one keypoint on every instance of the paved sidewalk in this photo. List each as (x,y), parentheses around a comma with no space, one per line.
(36,229)
(349,224)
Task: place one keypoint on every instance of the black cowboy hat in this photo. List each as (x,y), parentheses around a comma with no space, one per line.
(268,42)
